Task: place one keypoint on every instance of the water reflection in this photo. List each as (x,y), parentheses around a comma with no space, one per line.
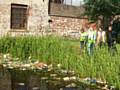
(15,79)
(28,80)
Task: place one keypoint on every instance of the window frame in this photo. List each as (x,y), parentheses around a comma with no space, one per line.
(25,24)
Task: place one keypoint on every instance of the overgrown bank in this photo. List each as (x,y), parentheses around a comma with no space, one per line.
(66,52)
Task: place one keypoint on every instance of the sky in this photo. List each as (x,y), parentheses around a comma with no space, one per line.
(74,2)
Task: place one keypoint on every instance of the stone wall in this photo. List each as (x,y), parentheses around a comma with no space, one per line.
(4,17)
(66,10)
(37,16)
(65,24)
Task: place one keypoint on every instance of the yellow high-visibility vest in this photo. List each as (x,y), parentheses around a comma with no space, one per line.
(83,36)
(93,38)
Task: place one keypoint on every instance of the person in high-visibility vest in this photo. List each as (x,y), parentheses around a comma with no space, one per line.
(83,38)
(91,40)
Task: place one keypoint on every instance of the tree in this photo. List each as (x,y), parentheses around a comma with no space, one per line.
(104,10)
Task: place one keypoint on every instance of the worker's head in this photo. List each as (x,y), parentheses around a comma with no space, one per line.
(94,26)
(100,28)
(87,26)
(110,28)
(91,28)
(82,30)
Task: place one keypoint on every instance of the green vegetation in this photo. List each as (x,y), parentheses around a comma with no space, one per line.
(57,50)
(103,10)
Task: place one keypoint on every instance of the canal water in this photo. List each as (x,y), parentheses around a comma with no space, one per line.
(14,79)
(28,80)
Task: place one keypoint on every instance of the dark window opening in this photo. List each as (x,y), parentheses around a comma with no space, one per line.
(18,16)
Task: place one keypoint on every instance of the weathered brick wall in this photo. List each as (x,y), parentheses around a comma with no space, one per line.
(66,10)
(64,24)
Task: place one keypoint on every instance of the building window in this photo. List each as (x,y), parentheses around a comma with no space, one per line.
(18,16)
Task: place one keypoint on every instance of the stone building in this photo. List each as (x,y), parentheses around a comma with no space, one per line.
(31,17)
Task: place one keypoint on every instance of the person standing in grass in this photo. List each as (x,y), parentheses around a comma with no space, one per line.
(111,40)
(83,39)
(101,37)
(91,40)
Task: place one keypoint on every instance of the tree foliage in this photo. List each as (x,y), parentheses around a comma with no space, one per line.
(104,8)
